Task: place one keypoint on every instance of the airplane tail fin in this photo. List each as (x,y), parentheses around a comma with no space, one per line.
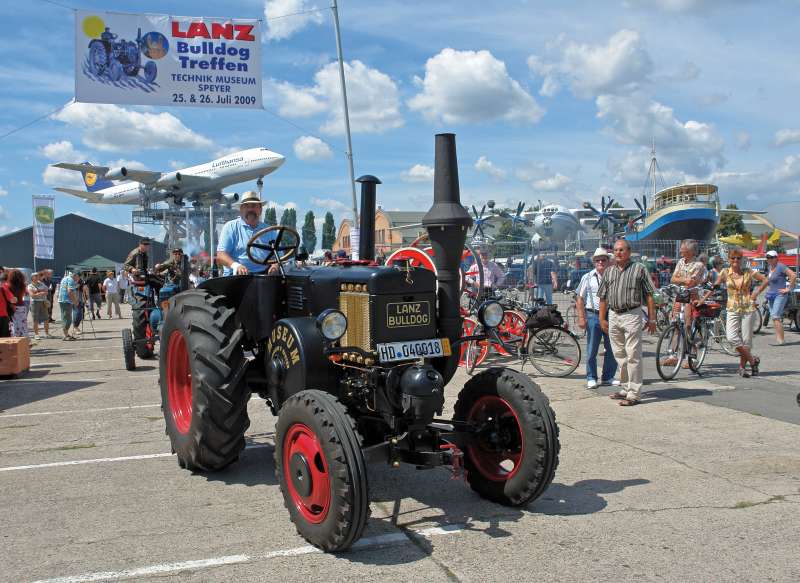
(92,181)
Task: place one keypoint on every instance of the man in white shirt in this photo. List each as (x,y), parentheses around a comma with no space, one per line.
(111,287)
(123,283)
(588,307)
(493,275)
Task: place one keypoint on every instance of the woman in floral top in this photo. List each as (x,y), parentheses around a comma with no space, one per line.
(740,308)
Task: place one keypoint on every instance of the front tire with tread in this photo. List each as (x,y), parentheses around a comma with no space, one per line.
(537,444)
(342,521)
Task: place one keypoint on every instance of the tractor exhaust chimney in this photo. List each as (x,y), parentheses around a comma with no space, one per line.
(447,223)
(366,224)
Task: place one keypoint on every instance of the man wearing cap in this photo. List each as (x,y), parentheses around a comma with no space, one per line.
(780,284)
(173,266)
(588,306)
(232,249)
(137,258)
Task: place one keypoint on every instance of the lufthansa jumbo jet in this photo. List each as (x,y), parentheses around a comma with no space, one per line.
(201,185)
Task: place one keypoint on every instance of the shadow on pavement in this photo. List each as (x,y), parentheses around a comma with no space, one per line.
(581,497)
(16,394)
(674,393)
(255,467)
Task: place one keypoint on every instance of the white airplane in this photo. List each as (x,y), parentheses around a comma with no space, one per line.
(201,185)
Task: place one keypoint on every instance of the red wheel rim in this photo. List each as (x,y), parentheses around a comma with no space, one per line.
(179,382)
(306,473)
(511,329)
(468,328)
(498,447)
(415,258)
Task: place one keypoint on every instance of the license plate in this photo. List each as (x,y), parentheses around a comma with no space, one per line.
(413,349)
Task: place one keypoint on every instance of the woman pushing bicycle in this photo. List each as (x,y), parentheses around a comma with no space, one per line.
(741,306)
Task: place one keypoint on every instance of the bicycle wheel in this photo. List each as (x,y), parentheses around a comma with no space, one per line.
(697,354)
(554,352)
(721,336)
(469,327)
(572,322)
(758,320)
(670,351)
(511,330)
(471,357)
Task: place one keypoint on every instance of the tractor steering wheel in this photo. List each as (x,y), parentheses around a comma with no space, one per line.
(276,252)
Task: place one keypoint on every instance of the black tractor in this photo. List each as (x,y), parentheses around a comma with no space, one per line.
(353,359)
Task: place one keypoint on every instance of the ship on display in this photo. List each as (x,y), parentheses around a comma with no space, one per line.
(677,212)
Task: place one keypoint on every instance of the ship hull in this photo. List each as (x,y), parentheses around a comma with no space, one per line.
(690,222)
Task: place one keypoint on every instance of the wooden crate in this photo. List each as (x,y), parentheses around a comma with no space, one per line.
(15,356)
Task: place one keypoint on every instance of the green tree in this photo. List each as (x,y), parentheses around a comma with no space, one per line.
(731,223)
(328,231)
(309,233)
(289,218)
(270,217)
(517,234)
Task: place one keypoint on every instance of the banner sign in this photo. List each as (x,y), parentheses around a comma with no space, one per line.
(155,59)
(44,226)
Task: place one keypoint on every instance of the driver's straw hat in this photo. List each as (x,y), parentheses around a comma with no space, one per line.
(249,196)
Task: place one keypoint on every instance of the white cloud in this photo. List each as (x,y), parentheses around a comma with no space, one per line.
(285,17)
(3,191)
(372,96)
(634,119)
(226,150)
(743,140)
(8,229)
(553,183)
(116,129)
(3,213)
(418,173)
(330,204)
(176,164)
(786,136)
(619,66)
(312,148)
(469,87)
(64,178)
(133,164)
(484,165)
(63,151)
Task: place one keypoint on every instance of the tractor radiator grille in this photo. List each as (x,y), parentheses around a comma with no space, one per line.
(355,306)
(295,298)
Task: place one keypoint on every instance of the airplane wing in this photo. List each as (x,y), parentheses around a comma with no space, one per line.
(99,170)
(87,196)
(741,212)
(142,176)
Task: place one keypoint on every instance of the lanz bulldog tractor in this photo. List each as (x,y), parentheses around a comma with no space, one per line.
(111,58)
(354,360)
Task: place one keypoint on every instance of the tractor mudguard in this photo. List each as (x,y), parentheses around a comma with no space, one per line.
(258,299)
(295,360)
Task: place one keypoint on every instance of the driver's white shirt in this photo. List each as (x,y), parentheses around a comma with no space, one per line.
(233,241)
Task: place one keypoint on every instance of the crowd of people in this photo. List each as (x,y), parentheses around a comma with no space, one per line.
(615,305)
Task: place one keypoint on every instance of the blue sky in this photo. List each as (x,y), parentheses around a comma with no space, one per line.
(557,101)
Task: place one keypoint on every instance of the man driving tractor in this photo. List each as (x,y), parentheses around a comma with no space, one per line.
(232,250)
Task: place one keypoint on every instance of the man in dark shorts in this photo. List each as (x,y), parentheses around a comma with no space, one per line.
(93,282)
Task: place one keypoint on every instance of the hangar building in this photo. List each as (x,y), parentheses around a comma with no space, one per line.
(77,239)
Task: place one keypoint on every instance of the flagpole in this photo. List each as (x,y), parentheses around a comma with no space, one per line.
(33,232)
(349,153)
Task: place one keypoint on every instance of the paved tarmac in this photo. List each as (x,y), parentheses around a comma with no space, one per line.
(699,483)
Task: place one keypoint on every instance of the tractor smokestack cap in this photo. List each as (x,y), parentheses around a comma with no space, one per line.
(446,209)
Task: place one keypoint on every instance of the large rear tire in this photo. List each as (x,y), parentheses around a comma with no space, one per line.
(514,456)
(141,328)
(203,393)
(321,470)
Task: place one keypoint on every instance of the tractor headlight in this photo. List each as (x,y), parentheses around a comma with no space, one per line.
(332,324)
(490,314)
